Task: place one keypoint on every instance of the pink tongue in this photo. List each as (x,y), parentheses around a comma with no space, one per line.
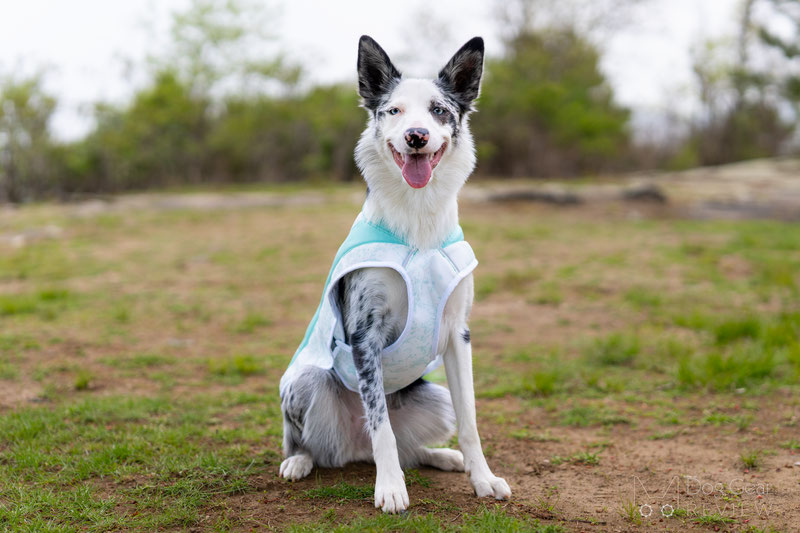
(417,170)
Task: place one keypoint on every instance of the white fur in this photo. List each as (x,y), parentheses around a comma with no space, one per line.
(458,367)
(390,484)
(297,466)
(426,216)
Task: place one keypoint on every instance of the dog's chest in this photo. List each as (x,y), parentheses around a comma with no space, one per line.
(416,285)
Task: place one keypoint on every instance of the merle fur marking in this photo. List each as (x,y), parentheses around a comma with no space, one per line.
(451,115)
(364,314)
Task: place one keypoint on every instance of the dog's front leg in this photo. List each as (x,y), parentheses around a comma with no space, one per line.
(390,487)
(367,325)
(458,367)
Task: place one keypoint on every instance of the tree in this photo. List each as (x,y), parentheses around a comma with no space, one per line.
(786,44)
(546,109)
(749,107)
(25,145)
(295,137)
(170,132)
(155,141)
(222,46)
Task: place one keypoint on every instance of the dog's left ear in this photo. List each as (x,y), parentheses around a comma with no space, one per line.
(461,76)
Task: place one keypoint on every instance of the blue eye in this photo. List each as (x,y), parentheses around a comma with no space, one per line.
(394,111)
(438,110)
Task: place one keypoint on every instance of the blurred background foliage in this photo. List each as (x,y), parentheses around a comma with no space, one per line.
(218,109)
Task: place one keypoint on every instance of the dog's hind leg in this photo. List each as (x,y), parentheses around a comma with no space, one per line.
(422,415)
(316,423)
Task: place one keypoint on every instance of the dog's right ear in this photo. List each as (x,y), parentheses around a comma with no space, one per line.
(376,74)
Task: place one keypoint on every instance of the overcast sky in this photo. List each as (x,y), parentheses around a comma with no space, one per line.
(84,44)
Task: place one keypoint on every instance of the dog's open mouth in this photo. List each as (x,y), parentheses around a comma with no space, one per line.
(417,168)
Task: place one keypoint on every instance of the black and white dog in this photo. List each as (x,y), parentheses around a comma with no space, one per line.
(415,126)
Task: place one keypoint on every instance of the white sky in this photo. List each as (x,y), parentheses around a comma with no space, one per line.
(85,44)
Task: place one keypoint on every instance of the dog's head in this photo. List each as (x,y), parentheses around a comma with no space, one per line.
(417,124)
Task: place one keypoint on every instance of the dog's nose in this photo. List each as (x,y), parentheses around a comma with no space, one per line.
(417,137)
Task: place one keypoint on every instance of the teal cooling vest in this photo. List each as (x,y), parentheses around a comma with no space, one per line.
(430,276)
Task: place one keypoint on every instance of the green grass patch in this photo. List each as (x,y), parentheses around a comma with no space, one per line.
(534,383)
(413,477)
(587,415)
(791,444)
(728,331)
(14,343)
(341,491)
(739,367)
(140,361)
(50,454)
(579,458)
(712,519)
(485,520)
(629,511)
(751,459)
(643,298)
(237,365)
(515,281)
(548,293)
(83,380)
(526,434)
(8,371)
(251,322)
(46,303)
(615,350)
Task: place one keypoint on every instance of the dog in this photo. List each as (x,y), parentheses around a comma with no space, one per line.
(398,296)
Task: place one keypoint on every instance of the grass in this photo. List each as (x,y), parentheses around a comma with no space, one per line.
(237,365)
(413,477)
(341,491)
(116,438)
(615,350)
(588,415)
(251,322)
(141,361)
(526,434)
(664,435)
(83,380)
(140,354)
(751,459)
(791,444)
(629,511)
(579,458)
(712,519)
(482,521)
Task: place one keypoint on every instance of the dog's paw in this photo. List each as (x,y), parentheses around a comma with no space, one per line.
(296,467)
(391,495)
(491,485)
(445,459)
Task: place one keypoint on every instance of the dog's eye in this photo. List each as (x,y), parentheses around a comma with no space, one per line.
(438,110)
(394,111)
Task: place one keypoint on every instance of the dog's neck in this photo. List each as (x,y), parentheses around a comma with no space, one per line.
(424,218)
